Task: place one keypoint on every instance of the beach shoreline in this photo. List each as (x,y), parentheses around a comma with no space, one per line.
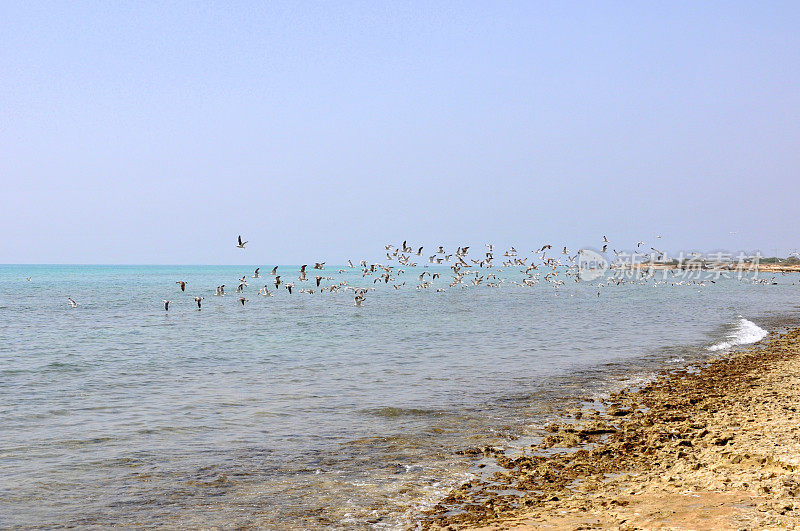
(745,268)
(709,447)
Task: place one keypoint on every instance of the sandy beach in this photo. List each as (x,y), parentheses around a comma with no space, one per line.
(713,447)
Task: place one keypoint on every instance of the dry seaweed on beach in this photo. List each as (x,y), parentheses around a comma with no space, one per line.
(698,448)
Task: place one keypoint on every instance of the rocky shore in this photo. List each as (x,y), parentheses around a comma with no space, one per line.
(713,447)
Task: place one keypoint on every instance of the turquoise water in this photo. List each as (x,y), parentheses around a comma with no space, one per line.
(304,410)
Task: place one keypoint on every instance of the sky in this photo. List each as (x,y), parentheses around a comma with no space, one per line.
(155,133)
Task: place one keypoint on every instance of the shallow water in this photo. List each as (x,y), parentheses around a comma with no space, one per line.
(304,410)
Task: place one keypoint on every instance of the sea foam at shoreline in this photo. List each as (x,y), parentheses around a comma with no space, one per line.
(744,333)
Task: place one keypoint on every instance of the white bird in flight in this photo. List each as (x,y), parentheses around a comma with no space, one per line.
(241,243)
(265,291)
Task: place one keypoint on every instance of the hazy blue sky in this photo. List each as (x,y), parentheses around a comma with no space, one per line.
(146,133)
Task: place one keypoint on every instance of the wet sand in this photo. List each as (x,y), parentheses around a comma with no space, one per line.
(716,447)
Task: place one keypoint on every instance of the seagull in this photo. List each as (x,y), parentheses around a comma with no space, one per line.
(319,265)
(72,302)
(359,299)
(28,279)
(241,243)
(243,300)
(639,244)
(265,291)
(277,281)
(182,284)
(289,287)
(255,273)
(605,240)
(166,304)
(199,300)
(274,270)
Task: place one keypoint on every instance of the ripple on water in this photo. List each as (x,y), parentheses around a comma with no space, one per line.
(303,411)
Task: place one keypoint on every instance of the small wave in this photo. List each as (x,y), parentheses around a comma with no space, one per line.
(395,412)
(746,332)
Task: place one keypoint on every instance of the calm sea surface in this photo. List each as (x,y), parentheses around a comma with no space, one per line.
(304,410)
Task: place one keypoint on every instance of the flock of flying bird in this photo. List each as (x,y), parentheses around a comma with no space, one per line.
(478,268)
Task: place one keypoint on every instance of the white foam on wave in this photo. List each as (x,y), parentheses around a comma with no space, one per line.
(746,332)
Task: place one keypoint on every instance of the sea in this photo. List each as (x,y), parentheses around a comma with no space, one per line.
(304,410)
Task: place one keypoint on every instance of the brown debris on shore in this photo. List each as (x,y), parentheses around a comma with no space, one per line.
(714,448)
